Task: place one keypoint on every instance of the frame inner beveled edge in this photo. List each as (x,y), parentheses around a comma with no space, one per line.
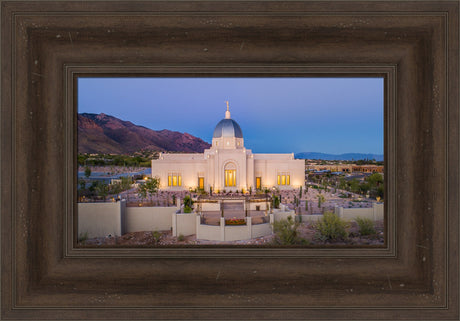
(388,72)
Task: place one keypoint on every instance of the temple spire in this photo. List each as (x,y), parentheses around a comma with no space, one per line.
(227,113)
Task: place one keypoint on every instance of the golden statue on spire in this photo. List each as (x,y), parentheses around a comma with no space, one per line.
(227,113)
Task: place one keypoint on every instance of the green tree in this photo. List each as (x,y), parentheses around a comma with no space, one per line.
(150,186)
(377,192)
(364,188)
(375,179)
(101,189)
(87,172)
(354,186)
(81,159)
(82,184)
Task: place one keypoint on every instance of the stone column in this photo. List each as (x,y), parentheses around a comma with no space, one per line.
(272,221)
(198,226)
(222,229)
(174,224)
(249,225)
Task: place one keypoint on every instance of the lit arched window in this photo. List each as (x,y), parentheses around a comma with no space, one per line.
(230,175)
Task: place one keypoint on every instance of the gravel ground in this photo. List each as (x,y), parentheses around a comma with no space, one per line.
(164,238)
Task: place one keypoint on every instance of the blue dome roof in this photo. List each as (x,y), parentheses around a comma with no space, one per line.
(227,128)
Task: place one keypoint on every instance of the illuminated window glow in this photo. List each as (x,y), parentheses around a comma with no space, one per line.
(258,182)
(230,177)
(284,179)
(174,179)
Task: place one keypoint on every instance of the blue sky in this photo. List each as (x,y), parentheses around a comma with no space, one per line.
(276,115)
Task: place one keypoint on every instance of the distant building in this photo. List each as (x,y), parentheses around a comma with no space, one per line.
(345,168)
(228,165)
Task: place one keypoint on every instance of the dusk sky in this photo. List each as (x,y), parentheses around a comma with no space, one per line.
(276,115)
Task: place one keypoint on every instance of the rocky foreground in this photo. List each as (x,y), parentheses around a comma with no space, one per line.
(164,238)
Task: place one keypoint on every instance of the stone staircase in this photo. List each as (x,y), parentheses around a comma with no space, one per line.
(233,206)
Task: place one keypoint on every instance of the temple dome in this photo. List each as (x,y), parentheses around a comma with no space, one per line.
(227,128)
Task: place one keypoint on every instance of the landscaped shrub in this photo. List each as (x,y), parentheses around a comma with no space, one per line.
(83,237)
(332,227)
(235,221)
(366,226)
(286,232)
(188,201)
(276,202)
(156,236)
(181,238)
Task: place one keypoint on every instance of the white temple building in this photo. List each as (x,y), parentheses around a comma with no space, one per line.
(228,165)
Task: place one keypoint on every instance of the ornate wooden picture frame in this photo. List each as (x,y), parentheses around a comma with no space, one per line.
(45,46)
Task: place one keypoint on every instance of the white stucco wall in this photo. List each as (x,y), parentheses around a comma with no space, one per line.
(212,163)
(232,233)
(205,206)
(208,232)
(263,206)
(261,230)
(237,232)
(311,218)
(184,224)
(188,165)
(148,218)
(374,213)
(100,219)
(269,165)
(283,215)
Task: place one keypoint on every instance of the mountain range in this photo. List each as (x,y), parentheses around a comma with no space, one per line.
(346,157)
(105,134)
(101,133)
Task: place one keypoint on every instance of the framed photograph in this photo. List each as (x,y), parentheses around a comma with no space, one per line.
(202,182)
(57,264)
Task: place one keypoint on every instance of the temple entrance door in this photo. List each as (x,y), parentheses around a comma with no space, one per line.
(201,182)
(258,182)
(230,175)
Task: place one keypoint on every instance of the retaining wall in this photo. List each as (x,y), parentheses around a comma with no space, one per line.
(100,219)
(184,224)
(374,213)
(237,232)
(283,215)
(261,230)
(232,232)
(309,218)
(263,206)
(210,206)
(207,232)
(114,218)
(148,218)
